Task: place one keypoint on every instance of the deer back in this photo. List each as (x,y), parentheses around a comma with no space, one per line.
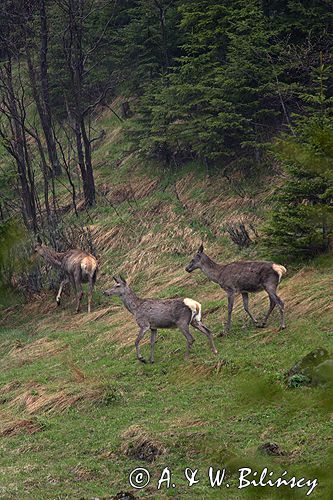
(247,276)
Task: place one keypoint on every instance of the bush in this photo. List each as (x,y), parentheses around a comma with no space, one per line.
(301,222)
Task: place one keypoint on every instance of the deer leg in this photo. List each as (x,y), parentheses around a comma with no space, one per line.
(90,291)
(231,299)
(152,343)
(272,305)
(203,329)
(189,339)
(62,284)
(72,280)
(142,331)
(79,294)
(245,297)
(279,302)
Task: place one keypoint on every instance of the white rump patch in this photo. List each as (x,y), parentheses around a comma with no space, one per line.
(281,270)
(88,265)
(195,308)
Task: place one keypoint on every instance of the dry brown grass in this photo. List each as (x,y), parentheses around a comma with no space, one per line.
(190,373)
(96,315)
(306,294)
(41,348)
(137,443)
(185,422)
(132,190)
(40,305)
(220,207)
(106,239)
(10,387)
(36,399)
(81,473)
(125,331)
(14,427)
(143,246)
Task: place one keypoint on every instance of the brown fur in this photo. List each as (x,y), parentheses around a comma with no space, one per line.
(151,314)
(243,277)
(78,266)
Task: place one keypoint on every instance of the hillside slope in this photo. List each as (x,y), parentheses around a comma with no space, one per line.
(78,412)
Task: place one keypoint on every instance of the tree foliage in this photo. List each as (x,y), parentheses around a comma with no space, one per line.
(237,81)
(211,80)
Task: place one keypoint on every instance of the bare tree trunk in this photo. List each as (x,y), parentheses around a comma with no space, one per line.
(45,172)
(125,109)
(164,33)
(47,126)
(67,163)
(17,147)
(91,192)
(265,5)
(75,59)
(81,160)
(41,92)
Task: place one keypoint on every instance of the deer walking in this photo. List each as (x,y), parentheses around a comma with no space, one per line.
(151,314)
(243,277)
(78,266)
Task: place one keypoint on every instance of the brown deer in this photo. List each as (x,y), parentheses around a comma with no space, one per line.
(243,277)
(151,314)
(78,266)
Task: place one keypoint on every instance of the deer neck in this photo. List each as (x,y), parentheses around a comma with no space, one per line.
(52,257)
(211,269)
(131,301)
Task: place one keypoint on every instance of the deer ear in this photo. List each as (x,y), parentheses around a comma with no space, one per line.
(119,279)
(201,248)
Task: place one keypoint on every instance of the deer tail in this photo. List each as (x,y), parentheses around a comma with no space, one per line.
(280,270)
(195,308)
(89,265)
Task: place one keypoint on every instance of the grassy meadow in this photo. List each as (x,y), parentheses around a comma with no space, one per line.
(78,413)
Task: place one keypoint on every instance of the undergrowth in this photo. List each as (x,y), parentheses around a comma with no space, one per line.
(78,412)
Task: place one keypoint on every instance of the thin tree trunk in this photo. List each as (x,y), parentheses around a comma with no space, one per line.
(47,127)
(91,192)
(40,92)
(19,150)
(44,168)
(75,64)
(81,160)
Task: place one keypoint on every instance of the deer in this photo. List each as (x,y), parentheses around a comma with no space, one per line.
(77,266)
(151,314)
(243,277)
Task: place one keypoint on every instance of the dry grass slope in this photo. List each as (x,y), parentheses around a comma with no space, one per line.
(74,379)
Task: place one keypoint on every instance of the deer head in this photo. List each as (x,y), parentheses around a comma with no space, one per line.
(118,289)
(196,261)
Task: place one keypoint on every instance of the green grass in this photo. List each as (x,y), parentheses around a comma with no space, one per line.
(211,411)
(203,415)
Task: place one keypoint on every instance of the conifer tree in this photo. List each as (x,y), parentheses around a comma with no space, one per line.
(301,223)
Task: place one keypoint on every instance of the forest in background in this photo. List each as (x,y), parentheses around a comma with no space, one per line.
(136,130)
(243,88)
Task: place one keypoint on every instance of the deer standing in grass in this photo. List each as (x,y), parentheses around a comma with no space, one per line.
(243,277)
(78,266)
(151,314)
